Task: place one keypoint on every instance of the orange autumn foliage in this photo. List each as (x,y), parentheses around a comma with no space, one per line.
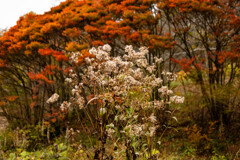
(59,56)
(11,98)
(74,47)
(2,103)
(84,54)
(2,63)
(39,76)
(42,76)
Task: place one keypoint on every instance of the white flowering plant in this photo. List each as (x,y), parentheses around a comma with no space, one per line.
(122,97)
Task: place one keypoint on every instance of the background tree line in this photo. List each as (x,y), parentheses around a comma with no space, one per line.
(200,37)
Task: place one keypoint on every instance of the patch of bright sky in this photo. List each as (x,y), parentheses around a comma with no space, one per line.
(11,10)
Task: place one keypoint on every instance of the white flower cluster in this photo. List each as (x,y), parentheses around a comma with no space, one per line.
(110,130)
(132,55)
(68,80)
(65,106)
(77,97)
(110,66)
(135,129)
(53,98)
(107,48)
(101,53)
(153,118)
(158,60)
(157,82)
(165,91)
(177,99)
(120,76)
(152,130)
(74,56)
(125,85)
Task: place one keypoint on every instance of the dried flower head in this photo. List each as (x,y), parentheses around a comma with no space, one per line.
(65,106)
(53,98)
(107,48)
(177,99)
